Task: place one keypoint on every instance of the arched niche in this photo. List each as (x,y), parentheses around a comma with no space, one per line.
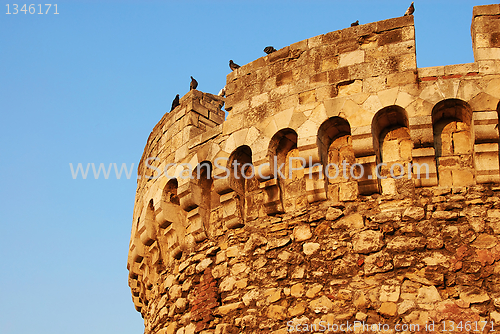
(201,188)
(453,143)
(240,168)
(171,219)
(242,181)
(337,157)
(285,167)
(169,193)
(393,147)
(147,228)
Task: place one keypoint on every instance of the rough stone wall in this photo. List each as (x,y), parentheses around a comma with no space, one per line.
(217,254)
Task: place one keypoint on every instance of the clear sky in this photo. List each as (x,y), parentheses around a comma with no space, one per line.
(88,85)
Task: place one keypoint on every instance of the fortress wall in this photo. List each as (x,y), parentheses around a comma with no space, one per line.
(251,251)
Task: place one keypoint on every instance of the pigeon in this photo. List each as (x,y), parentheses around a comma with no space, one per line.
(269,49)
(233,65)
(410,10)
(355,23)
(193,84)
(175,102)
(222,92)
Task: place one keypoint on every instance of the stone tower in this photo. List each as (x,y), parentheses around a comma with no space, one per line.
(238,227)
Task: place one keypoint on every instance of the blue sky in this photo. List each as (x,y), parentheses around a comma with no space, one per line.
(87,86)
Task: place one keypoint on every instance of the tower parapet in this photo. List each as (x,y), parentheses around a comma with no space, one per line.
(239,225)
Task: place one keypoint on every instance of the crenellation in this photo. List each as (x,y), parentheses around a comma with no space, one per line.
(406,232)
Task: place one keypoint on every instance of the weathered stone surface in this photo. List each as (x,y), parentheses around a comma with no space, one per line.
(233,251)
(473,295)
(310,248)
(415,213)
(297,290)
(250,296)
(253,242)
(302,232)
(367,242)
(276,312)
(297,309)
(238,269)
(428,294)
(485,241)
(203,264)
(321,305)
(227,283)
(405,306)
(175,292)
(314,290)
(389,293)
(333,213)
(388,309)
(225,309)
(273,295)
(351,222)
(378,263)
(276,243)
(404,244)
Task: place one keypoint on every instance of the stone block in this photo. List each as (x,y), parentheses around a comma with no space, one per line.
(390,36)
(401,79)
(388,186)
(394,23)
(461,69)
(486,161)
(350,222)
(485,10)
(367,242)
(351,58)
(302,232)
(350,88)
(462,143)
(388,309)
(462,178)
(487,53)
(348,191)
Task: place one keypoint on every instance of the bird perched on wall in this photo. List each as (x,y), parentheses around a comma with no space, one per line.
(193,84)
(175,102)
(222,92)
(233,65)
(269,49)
(355,23)
(410,10)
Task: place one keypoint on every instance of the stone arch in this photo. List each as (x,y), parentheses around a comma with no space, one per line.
(453,142)
(170,192)
(147,228)
(240,164)
(241,182)
(168,200)
(334,147)
(287,187)
(393,147)
(171,219)
(387,118)
(201,188)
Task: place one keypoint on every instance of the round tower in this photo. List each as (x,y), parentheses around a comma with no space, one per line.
(346,188)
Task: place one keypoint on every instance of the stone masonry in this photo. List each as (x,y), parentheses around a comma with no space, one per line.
(237,228)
